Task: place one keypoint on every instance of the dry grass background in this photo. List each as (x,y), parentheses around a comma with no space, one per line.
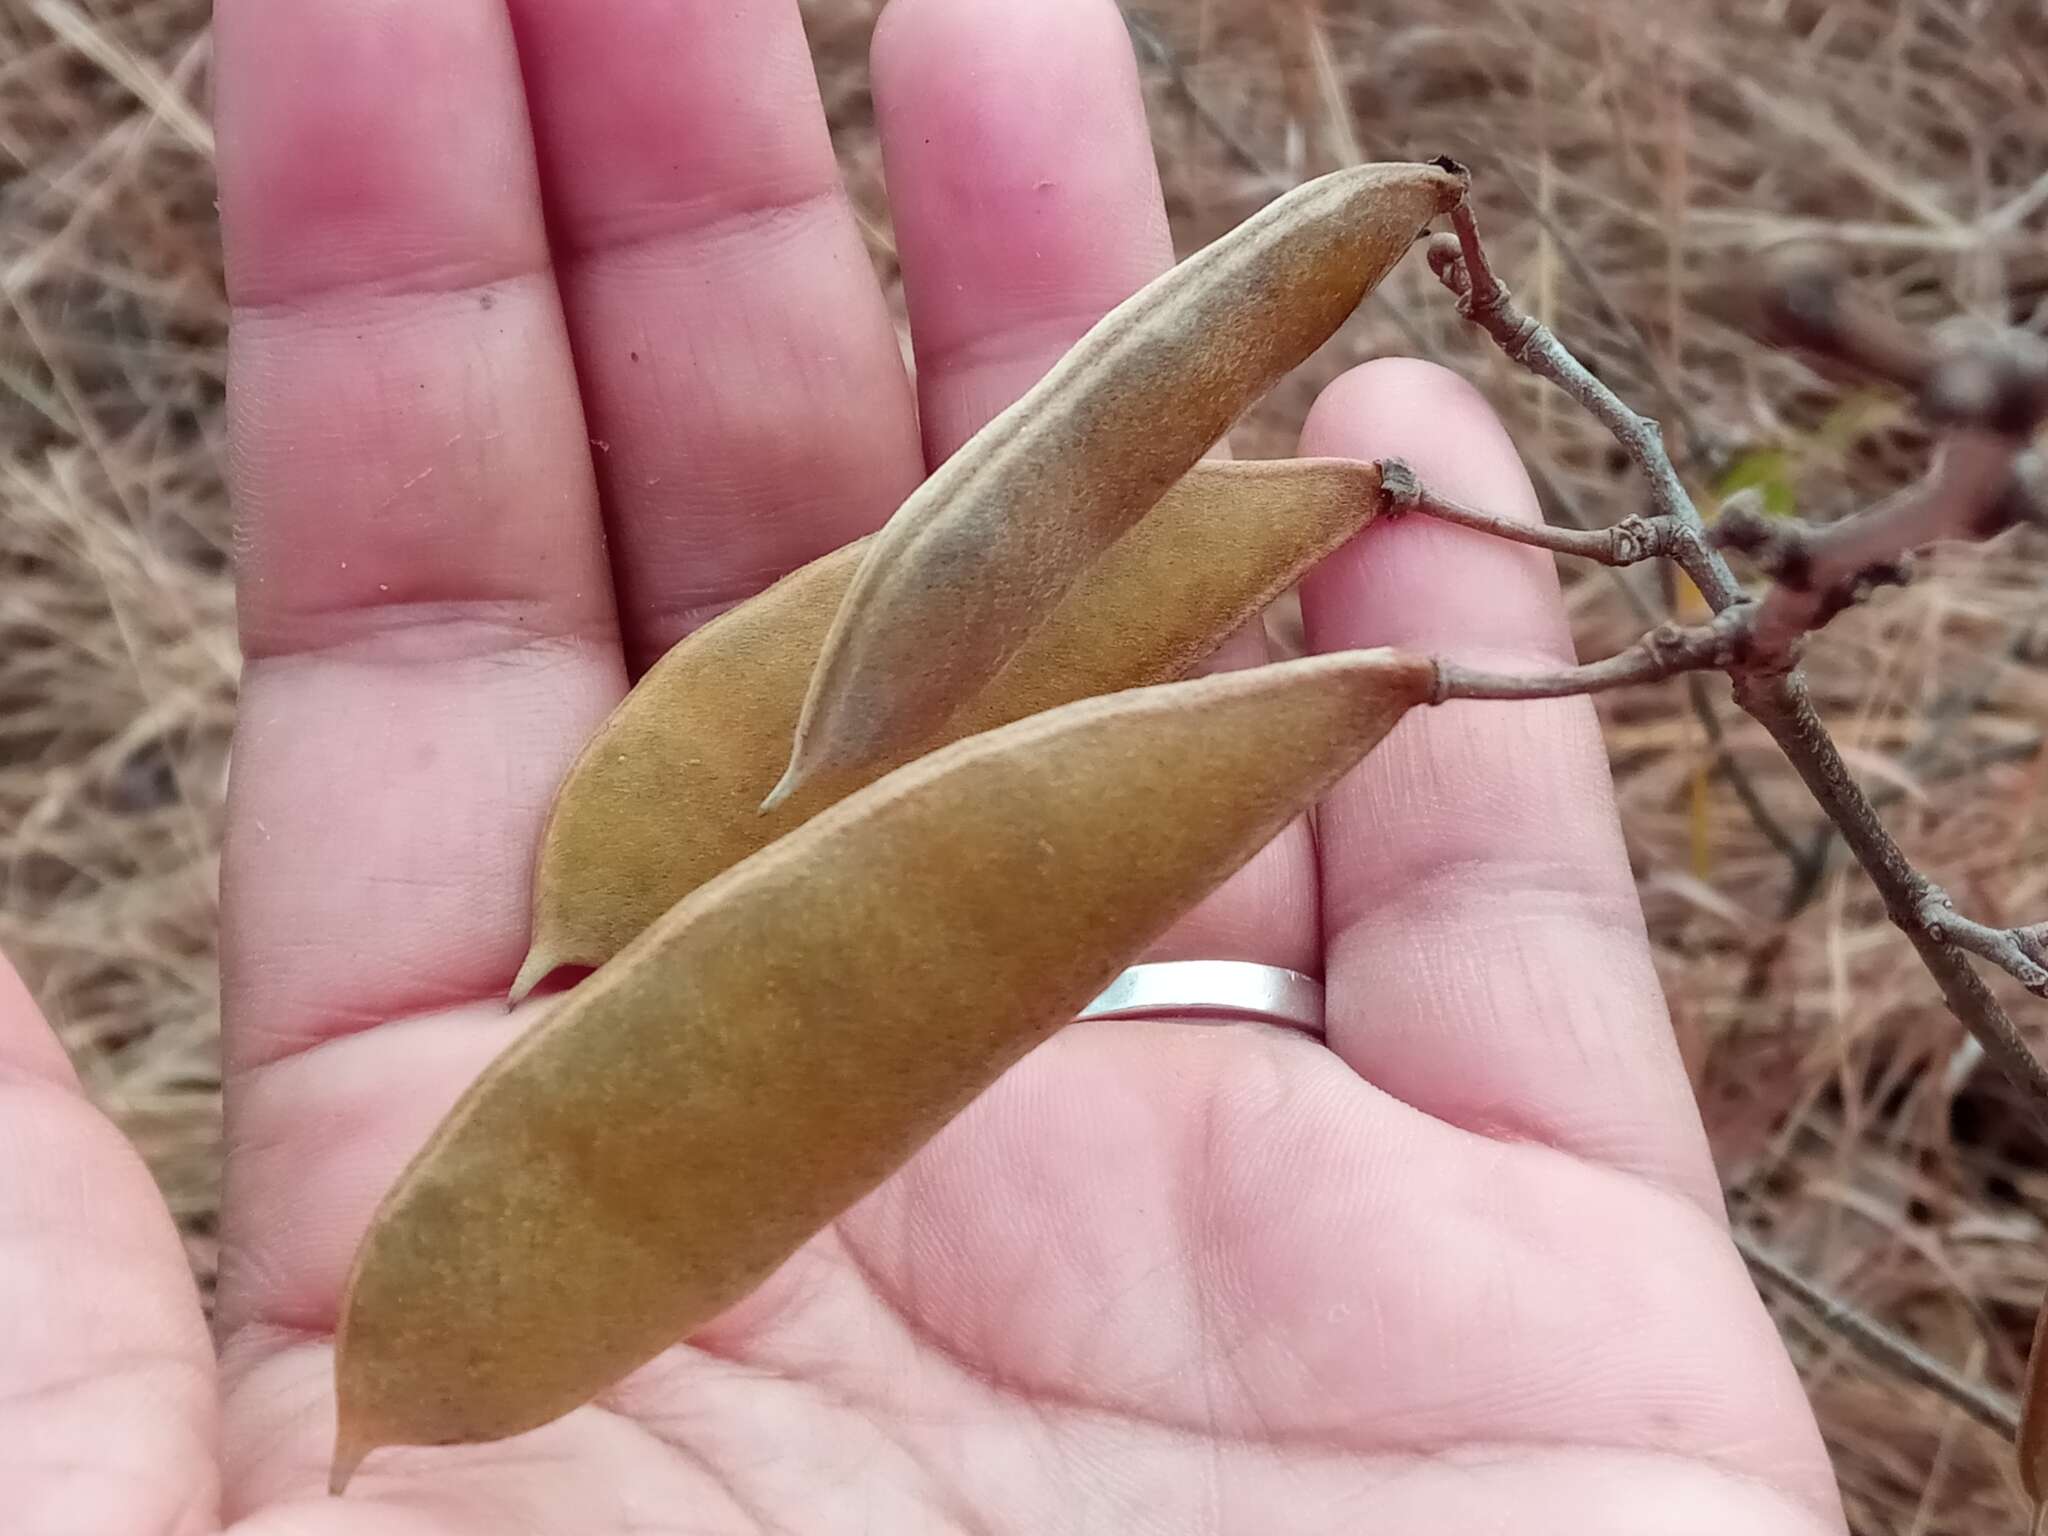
(1633,159)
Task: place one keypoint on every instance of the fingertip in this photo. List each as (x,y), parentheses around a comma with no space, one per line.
(371,142)
(1025,111)
(655,120)
(1021,176)
(977,37)
(1028,116)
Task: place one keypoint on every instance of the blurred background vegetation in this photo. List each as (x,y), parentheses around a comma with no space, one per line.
(1633,162)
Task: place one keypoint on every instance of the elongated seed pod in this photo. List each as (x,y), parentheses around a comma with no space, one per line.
(979,554)
(791,1032)
(667,793)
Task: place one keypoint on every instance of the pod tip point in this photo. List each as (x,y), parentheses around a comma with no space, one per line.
(791,780)
(533,970)
(348,1455)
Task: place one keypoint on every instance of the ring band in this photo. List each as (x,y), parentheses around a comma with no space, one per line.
(1214,989)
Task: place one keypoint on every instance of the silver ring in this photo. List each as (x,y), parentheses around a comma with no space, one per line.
(1213,989)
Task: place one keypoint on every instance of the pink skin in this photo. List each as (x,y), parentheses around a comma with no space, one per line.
(1464,1270)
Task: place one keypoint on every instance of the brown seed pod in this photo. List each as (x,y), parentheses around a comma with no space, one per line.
(667,793)
(979,554)
(789,1034)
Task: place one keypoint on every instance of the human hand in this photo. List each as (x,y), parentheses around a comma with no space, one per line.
(503,431)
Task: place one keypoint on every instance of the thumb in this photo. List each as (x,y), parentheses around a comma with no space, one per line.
(1486,955)
(107,1394)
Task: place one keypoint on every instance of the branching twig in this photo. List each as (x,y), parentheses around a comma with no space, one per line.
(1990,398)
(1630,542)
(1880,1344)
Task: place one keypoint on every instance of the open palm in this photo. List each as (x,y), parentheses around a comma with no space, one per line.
(555,336)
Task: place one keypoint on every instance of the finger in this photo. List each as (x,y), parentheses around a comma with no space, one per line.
(1021,177)
(1027,206)
(1485,948)
(424,599)
(743,378)
(108,1418)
